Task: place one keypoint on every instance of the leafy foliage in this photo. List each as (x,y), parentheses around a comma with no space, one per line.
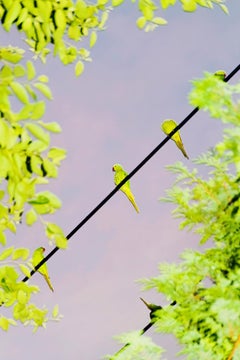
(138,347)
(60,24)
(63,23)
(27,162)
(15,295)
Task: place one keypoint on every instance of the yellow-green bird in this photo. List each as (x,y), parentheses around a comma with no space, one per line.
(37,257)
(221,74)
(168,126)
(152,308)
(119,175)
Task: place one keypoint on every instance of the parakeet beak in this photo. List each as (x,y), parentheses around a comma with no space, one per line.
(113,169)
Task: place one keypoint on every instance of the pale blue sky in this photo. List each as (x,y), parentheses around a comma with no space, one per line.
(113,114)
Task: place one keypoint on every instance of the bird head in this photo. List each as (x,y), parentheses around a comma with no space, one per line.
(116,167)
(221,74)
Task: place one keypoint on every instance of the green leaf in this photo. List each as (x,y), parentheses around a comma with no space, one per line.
(39,200)
(2,193)
(30,91)
(31,72)
(50,168)
(55,311)
(6,253)
(53,199)
(38,146)
(60,19)
(22,253)
(12,15)
(2,238)
(54,232)
(166,3)
(38,132)
(224,8)
(25,112)
(11,54)
(103,20)
(22,297)
(141,22)
(20,92)
(4,323)
(189,5)
(11,226)
(44,89)
(117,2)
(74,32)
(25,270)
(52,126)
(79,67)
(18,71)
(45,202)
(43,78)
(159,21)
(93,39)
(31,217)
(38,110)
(57,155)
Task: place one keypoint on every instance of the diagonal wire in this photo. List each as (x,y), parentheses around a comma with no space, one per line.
(129,176)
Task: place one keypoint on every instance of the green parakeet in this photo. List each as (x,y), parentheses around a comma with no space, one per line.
(152,308)
(37,257)
(220,74)
(168,126)
(120,174)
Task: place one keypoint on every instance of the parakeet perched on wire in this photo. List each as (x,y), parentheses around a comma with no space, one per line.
(220,74)
(120,174)
(37,257)
(152,308)
(168,126)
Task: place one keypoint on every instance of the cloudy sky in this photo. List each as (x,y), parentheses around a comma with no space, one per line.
(112,113)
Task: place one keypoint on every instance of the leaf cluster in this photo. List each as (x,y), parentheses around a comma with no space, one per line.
(60,24)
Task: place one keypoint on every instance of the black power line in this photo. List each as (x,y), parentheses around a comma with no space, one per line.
(129,176)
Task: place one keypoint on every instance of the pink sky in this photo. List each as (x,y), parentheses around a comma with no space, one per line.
(113,114)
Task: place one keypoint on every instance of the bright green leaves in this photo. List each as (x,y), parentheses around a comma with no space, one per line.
(5,322)
(148,21)
(12,13)
(17,294)
(45,202)
(31,217)
(48,22)
(218,97)
(117,2)
(27,160)
(93,39)
(139,347)
(55,234)
(44,89)
(38,132)
(166,3)
(191,5)
(20,92)
(31,72)
(79,68)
